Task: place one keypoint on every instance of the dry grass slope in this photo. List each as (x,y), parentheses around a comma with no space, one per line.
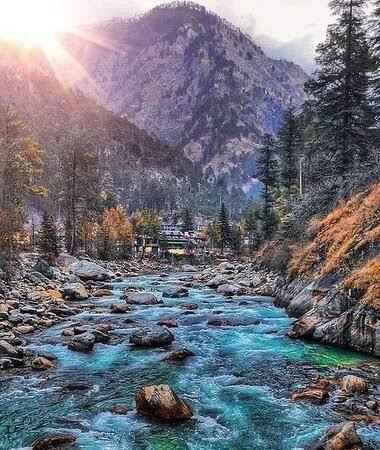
(342,241)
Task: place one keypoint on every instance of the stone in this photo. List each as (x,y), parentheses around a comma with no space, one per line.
(179,355)
(6,364)
(120,410)
(88,270)
(6,349)
(158,337)
(230,290)
(354,385)
(170,323)
(161,402)
(217,281)
(45,269)
(339,437)
(41,363)
(188,268)
(59,441)
(103,293)
(175,292)
(24,329)
(141,299)
(82,343)
(316,396)
(75,291)
(118,308)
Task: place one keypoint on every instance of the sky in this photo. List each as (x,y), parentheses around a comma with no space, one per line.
(284,28)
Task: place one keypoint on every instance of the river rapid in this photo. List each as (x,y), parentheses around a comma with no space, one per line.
(237,383)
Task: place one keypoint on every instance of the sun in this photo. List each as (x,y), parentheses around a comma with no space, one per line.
(30,22)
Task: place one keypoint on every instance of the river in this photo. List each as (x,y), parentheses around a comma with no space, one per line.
(237,383)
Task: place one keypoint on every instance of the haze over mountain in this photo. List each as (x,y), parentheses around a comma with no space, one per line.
(194,80)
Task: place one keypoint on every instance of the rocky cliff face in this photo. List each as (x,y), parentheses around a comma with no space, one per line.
(195,81)
(335,292)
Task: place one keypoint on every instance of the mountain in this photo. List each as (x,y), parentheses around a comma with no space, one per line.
(136,166)
(192,79)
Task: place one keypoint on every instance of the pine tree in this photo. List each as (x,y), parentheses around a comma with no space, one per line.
(375,47)
(251,226)
(224,228)
(267,172)
(340,89)
(289,149)
(49,243)
(188,222)
(236,239)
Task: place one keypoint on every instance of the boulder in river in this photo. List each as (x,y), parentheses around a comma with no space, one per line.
(120,410)
(120,308)
(189,268)
(103,293)
(7,349)
(90,271)
(317,393)
(162,403)
(230,290)
(156,337)
(179,355)
(217,281)
(354,385)
(59,441)
(339,437)
(141,299)
(75,291)
(82,343)
(41,363)
(175,292)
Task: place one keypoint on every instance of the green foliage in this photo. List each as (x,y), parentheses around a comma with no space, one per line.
(340,90)
(49,242)
(224,228)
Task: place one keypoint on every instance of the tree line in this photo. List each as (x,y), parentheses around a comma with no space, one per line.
(327,150)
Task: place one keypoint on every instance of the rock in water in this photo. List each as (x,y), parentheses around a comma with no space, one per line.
(41,363)
(141,298)
(230,290)
(157,337)
(82,343)
(118,308)
(179,355)
(354,385)
(339,437)
(55,442)
(161,402)
(75,291)
(87,270)
(175,292)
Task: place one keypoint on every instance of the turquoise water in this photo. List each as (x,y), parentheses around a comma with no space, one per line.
(238,382)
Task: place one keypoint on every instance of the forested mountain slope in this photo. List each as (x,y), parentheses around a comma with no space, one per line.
(135,166)
(194,80)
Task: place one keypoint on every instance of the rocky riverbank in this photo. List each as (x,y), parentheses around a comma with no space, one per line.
(41,296)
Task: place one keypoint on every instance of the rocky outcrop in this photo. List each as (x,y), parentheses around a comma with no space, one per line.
(161,402)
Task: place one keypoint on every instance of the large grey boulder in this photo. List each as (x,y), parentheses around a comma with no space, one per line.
(90,271)
(217,281)
(156,337)
(141,298)
(75,291)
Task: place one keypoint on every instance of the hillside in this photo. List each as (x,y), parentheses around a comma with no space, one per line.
(194,80)
(335,287)
(139,168)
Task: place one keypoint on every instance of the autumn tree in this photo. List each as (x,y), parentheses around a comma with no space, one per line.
(146,225)
(20,165)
